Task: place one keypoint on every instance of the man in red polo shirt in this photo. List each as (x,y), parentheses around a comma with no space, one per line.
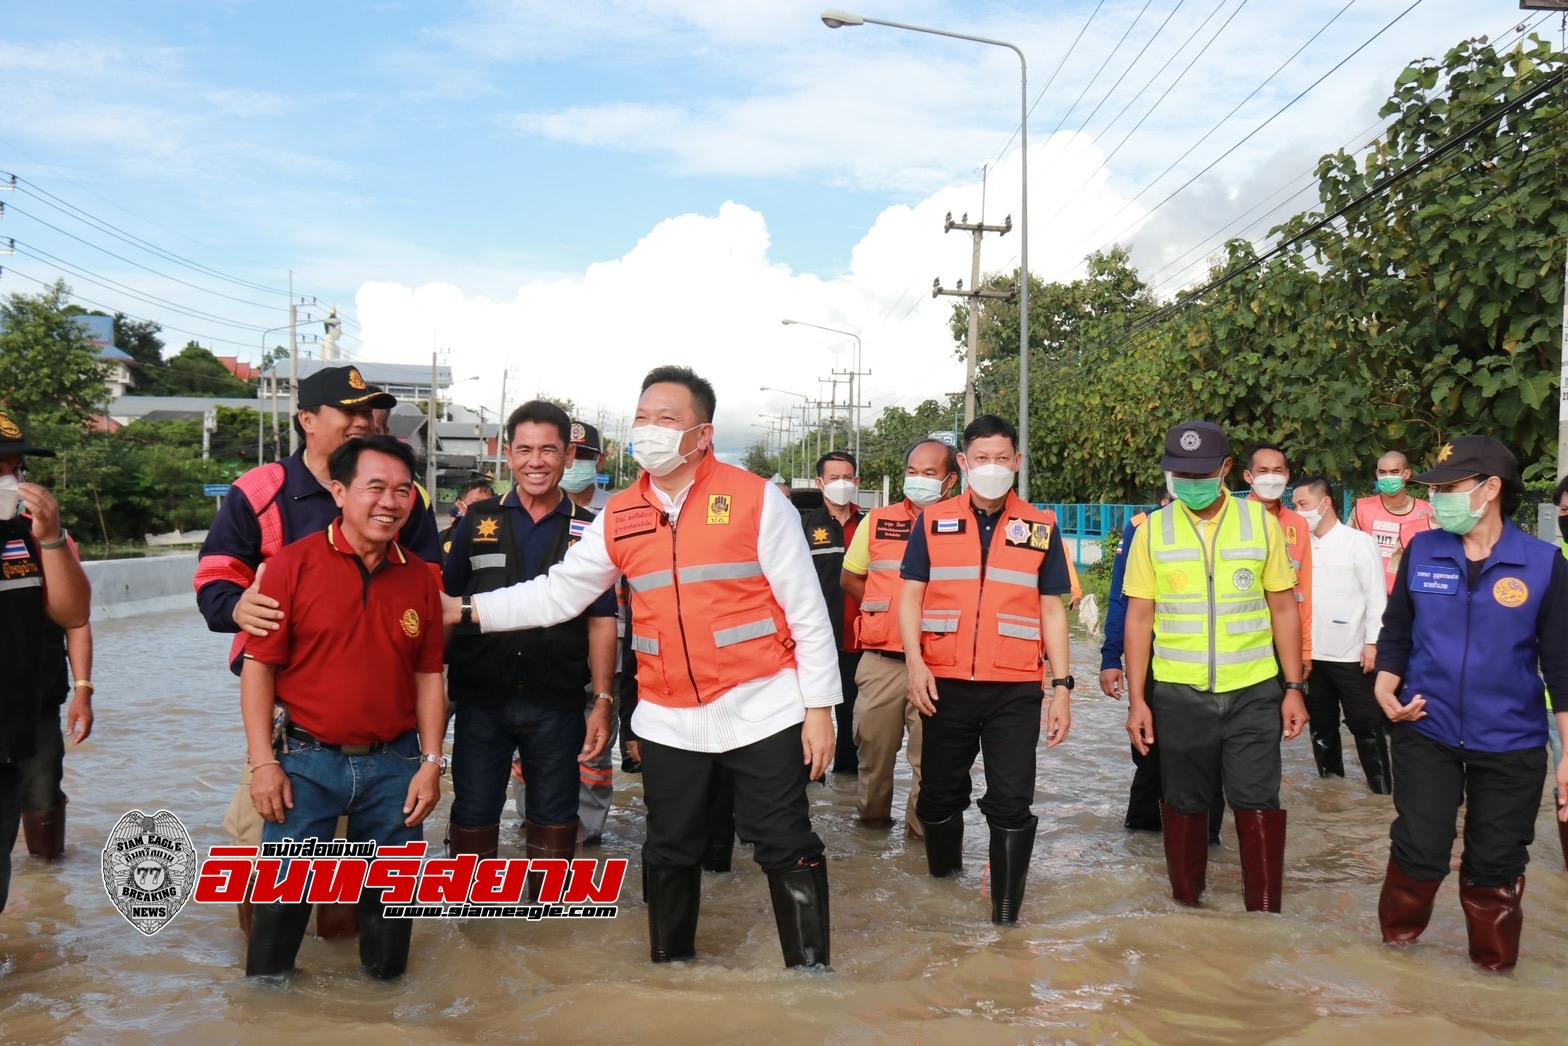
(355,664)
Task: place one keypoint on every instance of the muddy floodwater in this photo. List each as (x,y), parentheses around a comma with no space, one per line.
(1101,952)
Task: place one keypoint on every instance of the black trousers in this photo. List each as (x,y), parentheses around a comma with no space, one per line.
(1501,794)
(1205,738)
(10,819)
(1342,686)
(846,757)
(771,810)
(1001,719)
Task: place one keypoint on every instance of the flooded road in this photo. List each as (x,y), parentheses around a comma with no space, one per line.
(1101,951)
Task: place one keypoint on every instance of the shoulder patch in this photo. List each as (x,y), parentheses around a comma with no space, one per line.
(947,526)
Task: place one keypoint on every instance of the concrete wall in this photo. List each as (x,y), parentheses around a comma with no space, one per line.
(127,587)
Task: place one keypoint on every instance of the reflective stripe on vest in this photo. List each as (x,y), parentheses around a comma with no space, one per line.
(703,616)
(876,626)
(984,625)
(1212,625)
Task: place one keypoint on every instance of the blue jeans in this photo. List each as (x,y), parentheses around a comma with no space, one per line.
(547,742)
(369,790)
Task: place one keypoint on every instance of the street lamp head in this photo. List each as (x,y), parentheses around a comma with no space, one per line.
(839,19)
(788,322)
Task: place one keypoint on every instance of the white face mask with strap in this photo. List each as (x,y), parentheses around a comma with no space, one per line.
(657,450)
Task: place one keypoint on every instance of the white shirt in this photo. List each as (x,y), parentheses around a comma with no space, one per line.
(743,715)
(1348,593)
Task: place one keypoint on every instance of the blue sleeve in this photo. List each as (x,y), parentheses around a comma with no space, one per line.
(420,535)
(1054,578)
(455,572)
(1395,641)
(227,566)
(917,558)
(1116,608)
(605,605)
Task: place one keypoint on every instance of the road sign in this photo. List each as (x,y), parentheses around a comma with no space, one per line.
(215,490)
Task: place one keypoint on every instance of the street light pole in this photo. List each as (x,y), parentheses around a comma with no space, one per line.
(839,19)
(854,391)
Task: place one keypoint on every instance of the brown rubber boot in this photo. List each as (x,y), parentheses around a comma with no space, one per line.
(1261,834)
(1405,905)
(545,841)
(482,842)
(1493,916)
(45,832)
(336,922)
(1186,839)
(1562,836)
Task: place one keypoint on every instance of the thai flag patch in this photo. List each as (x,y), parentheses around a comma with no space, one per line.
(948,526)
(578,528)
(16,548)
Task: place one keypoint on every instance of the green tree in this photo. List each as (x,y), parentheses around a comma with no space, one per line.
(139,339)
(884,446)
(50,377)
(195,371)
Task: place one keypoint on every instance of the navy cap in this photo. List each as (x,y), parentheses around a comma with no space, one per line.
(1195,446)
(586,436)
(1466,456)
(12,442)
(342,387)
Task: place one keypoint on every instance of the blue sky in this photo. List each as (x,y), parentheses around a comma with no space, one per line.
(580,191)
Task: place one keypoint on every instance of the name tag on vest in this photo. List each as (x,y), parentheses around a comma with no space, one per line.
(1435,580)
(894,529)
(630,522)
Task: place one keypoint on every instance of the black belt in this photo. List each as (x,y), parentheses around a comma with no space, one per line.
(890,654)
(378,746)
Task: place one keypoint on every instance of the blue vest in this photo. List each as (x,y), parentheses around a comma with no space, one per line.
(1474,651)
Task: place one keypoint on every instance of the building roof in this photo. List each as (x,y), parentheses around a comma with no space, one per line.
(109,352)
(172,415)
(141,406)
(403,425)
(383,374)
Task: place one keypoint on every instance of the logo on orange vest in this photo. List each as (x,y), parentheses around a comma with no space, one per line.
(354,380)
(718,508)
(1017,532)
(410,623)
(1510,592)
(820,536)
(629,522)
(486,531)
(1040,536)
(1290,535)
(1177,579)
(1242,579)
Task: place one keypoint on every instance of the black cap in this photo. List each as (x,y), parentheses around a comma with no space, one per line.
(1466,456)
(586,436)
(1195,446)
(11,441)
(342,387)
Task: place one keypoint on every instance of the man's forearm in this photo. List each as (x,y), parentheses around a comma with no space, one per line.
(1138,643)
(601,653)
(911,599)
(1053,616)
(79,651)
(1285,619)
(258,692)
(430,711)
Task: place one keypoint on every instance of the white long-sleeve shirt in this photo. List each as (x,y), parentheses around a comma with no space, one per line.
(1348,594)
(748,712)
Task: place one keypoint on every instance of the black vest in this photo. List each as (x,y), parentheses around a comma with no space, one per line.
(21,637)
(825,539)
(548,665)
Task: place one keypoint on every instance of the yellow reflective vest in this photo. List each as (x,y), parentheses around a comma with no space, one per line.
(1211,618)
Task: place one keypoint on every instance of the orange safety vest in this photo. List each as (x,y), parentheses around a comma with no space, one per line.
(704,619)
(889,528)
(984,627)
(1392,533)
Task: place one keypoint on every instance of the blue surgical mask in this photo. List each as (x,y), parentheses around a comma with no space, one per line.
(923,490)
(579,476)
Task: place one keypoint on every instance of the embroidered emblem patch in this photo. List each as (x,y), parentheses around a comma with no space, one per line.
(1177,579)
(355,381)
(1243,579)
(820,536)
(410,622)
(1510,592)
(1040,536)
(1017,531)
(1190,441)
(487,530)
(718,509)
(947,526)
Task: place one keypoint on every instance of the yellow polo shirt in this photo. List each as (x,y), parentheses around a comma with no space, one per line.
(1139,582)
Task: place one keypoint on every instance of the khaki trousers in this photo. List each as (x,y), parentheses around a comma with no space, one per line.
(883,715)
(243,823)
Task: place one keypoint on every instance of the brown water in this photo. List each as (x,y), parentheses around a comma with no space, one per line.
(1102,952)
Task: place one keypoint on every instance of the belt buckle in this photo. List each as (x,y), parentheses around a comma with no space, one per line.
(355,749)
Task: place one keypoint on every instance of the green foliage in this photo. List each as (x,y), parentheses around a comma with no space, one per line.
(195,371)
(50,378)
(1432,308)
(884,446)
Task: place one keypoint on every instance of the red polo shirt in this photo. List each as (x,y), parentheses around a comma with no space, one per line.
(350,640)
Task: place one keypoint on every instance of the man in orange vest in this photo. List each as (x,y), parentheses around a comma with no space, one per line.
(985,637)
(871,578)
(1392,516)
(736,666)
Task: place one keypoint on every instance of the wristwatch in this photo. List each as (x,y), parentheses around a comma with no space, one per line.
(468,613)
(1066,681)
(604,697)
(438,761)
(1301,687)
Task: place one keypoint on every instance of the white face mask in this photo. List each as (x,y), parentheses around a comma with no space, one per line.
(579,476)
(923,490)
(991,481)
(657,450)
(9,498)
(1312,516)
(1270,487)
(840,491)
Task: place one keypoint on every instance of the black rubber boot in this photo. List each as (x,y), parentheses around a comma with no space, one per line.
(674,897)
(383,942)
(719,855)
(1377,760)
(800,907)
(1326,751)
(276,931)
(944,845)
(1010,851)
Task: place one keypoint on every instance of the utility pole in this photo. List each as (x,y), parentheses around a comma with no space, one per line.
(293,367)
(974,294)
(500,425)
(854,406)
(430,435)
